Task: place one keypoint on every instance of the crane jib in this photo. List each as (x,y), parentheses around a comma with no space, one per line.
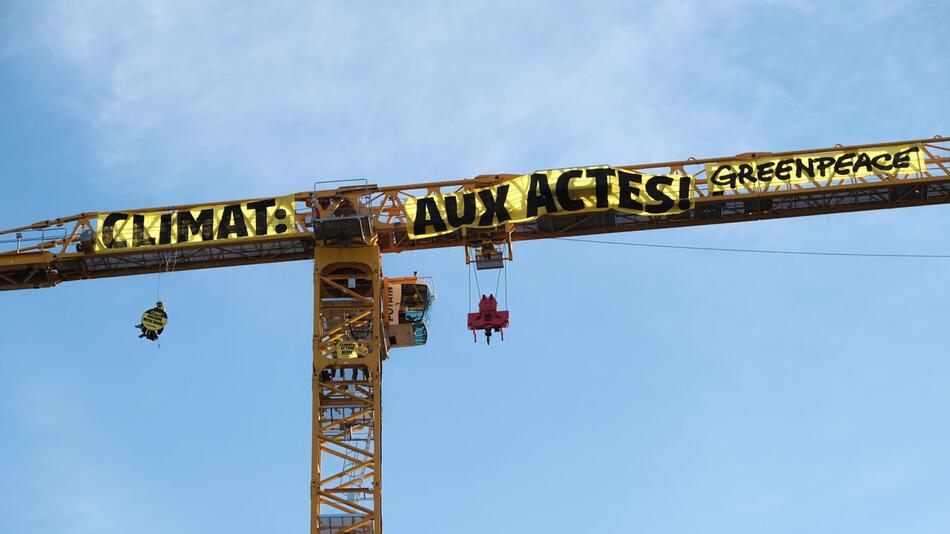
(747,186)
(591,189)
(559,191)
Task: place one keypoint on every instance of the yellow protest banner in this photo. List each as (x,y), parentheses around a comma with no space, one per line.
(828,168)
(554,192)
(154,319)
(347,350)
(216,223)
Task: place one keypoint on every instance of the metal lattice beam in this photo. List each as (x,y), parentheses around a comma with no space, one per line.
(348,350)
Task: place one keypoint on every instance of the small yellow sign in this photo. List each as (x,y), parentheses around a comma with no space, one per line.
(347,350)
(155,319)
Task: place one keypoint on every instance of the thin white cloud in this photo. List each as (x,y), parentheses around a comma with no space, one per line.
(219,96)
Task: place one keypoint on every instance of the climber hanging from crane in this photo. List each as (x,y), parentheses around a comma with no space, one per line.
(153,322)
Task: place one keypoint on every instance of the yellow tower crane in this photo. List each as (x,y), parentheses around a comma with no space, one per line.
(359,315)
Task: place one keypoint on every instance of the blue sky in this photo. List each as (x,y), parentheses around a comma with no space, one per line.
(638,390)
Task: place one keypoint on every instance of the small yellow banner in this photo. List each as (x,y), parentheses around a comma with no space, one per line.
(154,319)
(828,168)
(555,192)
(348,350)
(221,222)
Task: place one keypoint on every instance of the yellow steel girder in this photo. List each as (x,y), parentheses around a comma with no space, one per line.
(346,494)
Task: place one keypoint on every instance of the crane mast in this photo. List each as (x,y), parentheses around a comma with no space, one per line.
(345,230)
(347,399)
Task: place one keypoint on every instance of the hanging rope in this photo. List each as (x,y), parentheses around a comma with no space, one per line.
(170,262)
(760,251)
(498,280)
(506,287)
(477,286)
